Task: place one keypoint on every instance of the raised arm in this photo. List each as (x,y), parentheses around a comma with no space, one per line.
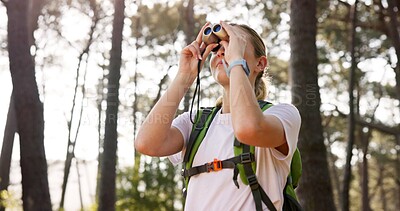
(156,137)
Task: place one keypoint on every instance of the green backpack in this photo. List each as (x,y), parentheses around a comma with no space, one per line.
(243,163)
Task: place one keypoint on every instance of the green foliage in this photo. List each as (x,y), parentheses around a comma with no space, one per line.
(333,41)
(278,71)
(159,31)
(157,186)
(8,200)
(158,25)
(333,44)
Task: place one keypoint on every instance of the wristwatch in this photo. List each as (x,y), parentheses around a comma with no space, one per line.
(238,62)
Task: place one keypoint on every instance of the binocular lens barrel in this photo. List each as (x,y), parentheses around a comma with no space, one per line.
(220,32)
(214,34)
(207,31)
(217,28)
(208,36)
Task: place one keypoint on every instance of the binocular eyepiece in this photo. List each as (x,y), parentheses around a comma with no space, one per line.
(214,34)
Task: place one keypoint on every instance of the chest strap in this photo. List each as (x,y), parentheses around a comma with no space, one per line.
(217,165)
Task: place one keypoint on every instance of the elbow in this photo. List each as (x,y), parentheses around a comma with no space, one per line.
(269,133)
(142,145)
(245,132)
(146,146)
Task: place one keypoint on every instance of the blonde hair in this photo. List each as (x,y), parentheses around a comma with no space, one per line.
(262,80)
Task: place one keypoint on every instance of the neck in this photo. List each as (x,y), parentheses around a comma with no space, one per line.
(226,99)
(226,102)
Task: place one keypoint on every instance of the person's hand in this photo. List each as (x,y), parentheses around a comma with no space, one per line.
(235,48)
(191,54)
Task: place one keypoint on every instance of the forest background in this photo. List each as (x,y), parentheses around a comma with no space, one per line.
(94,74)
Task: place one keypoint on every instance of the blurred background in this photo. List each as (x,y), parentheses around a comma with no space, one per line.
(78,77)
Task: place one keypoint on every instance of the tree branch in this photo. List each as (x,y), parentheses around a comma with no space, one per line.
(373,125)
(365,25)
(378,126)
(160,85)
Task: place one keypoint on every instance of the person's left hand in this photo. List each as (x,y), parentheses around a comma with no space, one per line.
(236,47)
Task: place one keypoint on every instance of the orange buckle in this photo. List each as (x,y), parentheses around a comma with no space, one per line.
(216,165)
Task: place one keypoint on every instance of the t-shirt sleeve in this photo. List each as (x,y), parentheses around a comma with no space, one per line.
(290,118)
(184,125)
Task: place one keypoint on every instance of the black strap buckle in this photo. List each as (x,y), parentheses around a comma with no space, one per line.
(246,158)
(203,118)
(253,183)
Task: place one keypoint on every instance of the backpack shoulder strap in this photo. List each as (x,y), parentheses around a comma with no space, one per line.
(257,191)
(264,105)
(247,170)
(200,121)
(238,147)
(199,130)
(203,120)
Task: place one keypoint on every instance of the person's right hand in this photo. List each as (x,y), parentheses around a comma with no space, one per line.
(191,54)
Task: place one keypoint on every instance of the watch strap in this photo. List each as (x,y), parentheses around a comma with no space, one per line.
(235,63)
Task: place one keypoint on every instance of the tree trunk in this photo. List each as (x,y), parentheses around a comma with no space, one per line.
(315,190)
(107,194)
(6,150)
(72,140)
(351,123)
(137,157)
(382,191)
(100,112)
(138,35)
(34,9)
(393,28)
(398,171)
(29,110)
(79,183)
(190,37)
(365,176)
(334,173)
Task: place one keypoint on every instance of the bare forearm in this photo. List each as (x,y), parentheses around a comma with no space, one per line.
(249,122)
(157,125)
(243,103)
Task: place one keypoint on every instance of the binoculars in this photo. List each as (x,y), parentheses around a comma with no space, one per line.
(214,34)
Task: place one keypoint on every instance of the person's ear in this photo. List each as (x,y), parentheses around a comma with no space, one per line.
(262,64)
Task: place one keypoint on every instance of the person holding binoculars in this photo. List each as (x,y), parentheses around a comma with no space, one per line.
(238,61)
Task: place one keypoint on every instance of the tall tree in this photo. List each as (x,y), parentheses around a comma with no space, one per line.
(393,28)
(73,135)
(315,190)
(107,195)
(28,108)
(351,118)
(6,150)
(188,28)
(34,9)
(374,25)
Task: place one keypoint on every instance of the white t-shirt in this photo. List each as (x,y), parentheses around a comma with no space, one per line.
(216,190)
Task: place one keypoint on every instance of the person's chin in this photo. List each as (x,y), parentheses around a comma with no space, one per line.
(220,76)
